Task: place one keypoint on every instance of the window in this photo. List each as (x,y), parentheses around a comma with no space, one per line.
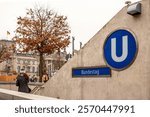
(18,61)
(31,62)
(28,68)
(35,62)
(8,61)
(33,69)
(18,68)
(21,61)
(23,67)
(28,61)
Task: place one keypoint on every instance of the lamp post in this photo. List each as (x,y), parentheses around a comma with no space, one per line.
(73,39)
(80,45)
(0,52)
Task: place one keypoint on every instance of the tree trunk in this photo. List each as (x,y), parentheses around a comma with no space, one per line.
(41,67)
(59,60)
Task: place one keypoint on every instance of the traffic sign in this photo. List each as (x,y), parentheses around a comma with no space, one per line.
(120,49)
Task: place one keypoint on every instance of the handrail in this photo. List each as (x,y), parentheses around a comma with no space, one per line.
(30,83)
(12,86)
(37,88)
(14,95)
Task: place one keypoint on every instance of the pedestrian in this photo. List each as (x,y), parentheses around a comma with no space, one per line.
(45,78)
(22,82)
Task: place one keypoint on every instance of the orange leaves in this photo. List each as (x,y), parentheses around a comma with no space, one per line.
(42,30)
(5,52)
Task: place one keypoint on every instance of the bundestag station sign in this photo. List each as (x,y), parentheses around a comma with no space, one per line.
(91,72)
(119,52)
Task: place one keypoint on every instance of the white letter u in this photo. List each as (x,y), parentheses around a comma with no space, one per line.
(124,48)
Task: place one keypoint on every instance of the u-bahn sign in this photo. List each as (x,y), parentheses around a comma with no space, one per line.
(120,49)
(91,72)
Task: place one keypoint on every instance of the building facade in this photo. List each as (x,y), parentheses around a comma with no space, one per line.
(30,62)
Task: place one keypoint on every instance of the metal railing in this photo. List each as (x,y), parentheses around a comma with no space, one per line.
(35,86)
(15,95)
(14,83)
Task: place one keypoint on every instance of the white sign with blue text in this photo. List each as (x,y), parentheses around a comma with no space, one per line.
(120,49)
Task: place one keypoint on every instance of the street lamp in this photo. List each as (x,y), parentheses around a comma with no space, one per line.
(73,39)
(0,52)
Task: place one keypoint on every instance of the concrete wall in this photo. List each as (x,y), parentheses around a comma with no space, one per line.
(131,83)
(9,87)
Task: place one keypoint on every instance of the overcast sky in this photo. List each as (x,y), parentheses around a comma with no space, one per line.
(85,17)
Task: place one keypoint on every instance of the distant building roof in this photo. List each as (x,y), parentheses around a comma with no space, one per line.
(4,40)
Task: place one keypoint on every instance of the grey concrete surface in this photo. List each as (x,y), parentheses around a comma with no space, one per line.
(131,83)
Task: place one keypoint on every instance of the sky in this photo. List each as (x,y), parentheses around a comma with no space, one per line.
(85,17)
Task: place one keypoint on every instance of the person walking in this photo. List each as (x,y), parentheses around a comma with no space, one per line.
(22,82)
(45,78)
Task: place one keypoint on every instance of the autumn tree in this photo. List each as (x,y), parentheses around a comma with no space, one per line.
(42,31)
(5,52)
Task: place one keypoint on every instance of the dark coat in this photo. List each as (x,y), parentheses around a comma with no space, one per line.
(22,83)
